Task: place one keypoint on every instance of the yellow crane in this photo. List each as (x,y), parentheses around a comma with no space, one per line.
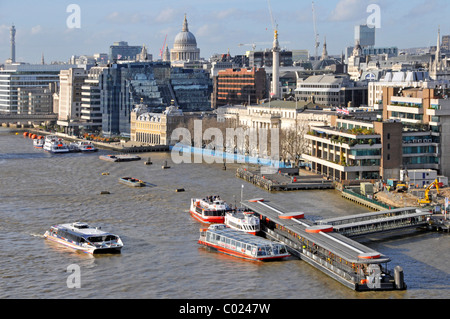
(427,199)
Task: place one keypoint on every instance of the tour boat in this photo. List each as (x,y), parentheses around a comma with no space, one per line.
(240,244)
(55,144)
(243,221)
(211,209)
(86,146)
(38,143)
(130,181)
(80,236)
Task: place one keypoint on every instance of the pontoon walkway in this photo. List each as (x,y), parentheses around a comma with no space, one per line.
(351,263)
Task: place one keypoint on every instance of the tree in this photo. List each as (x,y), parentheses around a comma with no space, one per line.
(293,142)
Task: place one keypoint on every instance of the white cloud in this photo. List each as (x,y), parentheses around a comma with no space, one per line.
(166,15)
(36,29)
(347,10)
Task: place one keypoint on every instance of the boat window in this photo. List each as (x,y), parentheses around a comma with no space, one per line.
(95,239)
(238,245)
(110,238)
(233,243)
(261,251)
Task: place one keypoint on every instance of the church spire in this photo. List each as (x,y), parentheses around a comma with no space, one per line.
(324,52)
(437,59)
(185,24)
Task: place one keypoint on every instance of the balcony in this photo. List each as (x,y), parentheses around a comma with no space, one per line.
(342,168)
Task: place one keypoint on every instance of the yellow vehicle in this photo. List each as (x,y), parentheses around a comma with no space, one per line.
(402,187)
(427,199)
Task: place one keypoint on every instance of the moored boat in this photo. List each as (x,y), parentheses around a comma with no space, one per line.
(55,144)
(119,158)
(240,244)
(82,237)
(86,146)
(38,143)
(208,210)
(130,181)
(243,221)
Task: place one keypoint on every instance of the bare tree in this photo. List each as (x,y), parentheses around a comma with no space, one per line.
(293,142)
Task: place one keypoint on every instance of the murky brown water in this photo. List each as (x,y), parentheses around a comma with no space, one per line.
(161,257)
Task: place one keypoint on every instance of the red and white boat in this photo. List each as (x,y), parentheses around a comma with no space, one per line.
(239,244)
(209,210)
(243,221)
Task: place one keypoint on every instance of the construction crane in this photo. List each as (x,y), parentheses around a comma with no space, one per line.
(427,199)
(161,51)
(274,23)
(317,43)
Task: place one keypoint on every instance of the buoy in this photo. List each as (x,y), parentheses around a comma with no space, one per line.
(179,190)
(104,193)
(25,134)
(105,173)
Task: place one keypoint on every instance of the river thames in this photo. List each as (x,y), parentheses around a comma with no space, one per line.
(161,258)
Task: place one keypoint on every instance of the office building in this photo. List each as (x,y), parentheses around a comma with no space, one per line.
(351,149)
(25,76)
(261,59)
(399,80)
(332,91)
(192,88)
(91,112)
(365,35)
(69,111)
(121,51)
(122,86)
(154,128)
(238,86)
(36,100)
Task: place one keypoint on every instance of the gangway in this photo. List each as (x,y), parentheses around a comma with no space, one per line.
(345,260)
(376,222)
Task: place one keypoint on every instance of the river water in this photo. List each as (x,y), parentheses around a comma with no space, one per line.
(161,258)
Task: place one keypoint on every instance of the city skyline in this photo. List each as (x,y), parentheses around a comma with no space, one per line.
(218,26)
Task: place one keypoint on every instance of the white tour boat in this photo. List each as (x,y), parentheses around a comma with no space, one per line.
(81,236)
(86,146)
(38,143)
(55,144)
(243,221)
(239,244)
(208,210)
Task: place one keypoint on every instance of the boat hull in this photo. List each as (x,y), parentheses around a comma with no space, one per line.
(96,251)
(207,219)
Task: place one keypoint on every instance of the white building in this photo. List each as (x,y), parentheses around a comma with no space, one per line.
(402,80)
(26,76)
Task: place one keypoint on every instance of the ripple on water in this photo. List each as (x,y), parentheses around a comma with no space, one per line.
(161,257)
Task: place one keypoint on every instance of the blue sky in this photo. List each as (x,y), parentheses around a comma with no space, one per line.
(218,25)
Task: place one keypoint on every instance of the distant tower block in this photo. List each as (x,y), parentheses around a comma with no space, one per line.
(13,43)
(276,67)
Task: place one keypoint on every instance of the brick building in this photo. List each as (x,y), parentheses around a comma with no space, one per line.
(238,86)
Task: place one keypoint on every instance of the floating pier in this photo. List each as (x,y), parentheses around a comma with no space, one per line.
(343,259)
(279,182)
